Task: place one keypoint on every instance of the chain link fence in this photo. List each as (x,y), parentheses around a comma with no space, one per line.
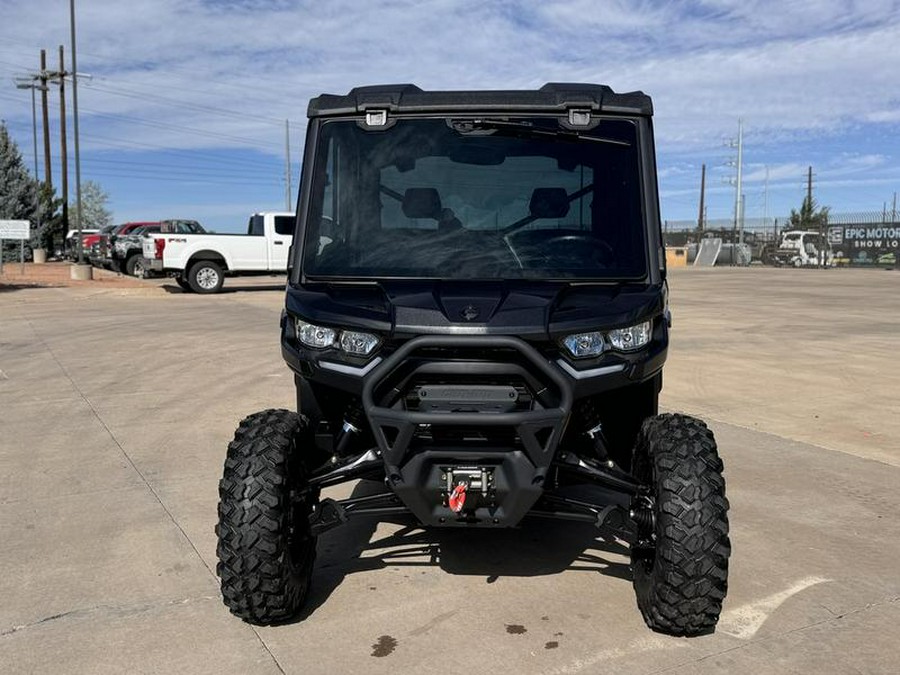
(853,239)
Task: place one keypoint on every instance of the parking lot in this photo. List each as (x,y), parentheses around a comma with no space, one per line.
(116,405)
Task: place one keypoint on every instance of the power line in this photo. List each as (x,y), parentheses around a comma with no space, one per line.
(182,180)
(181,103)
(277,85)
(232,172)
(128,144)
(177,127)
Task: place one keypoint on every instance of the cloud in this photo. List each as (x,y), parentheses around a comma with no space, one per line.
(213,74)
(783,66)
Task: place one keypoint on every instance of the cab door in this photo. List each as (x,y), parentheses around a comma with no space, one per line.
(280,239)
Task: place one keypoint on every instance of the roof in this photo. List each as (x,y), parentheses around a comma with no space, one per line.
(552,97)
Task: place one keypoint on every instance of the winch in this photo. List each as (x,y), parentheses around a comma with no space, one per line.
(464,485)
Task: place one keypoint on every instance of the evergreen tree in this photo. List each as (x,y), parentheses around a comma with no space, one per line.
(18,190)
(810,216)
(93,206)
(52,224)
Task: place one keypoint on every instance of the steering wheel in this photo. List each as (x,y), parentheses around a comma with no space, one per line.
(600,251)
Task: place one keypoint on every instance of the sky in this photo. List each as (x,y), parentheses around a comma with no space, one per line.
(184,112)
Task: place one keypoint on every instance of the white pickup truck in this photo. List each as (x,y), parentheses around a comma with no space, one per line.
(200,262)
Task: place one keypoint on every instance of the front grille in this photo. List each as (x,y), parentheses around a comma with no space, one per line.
(477,394)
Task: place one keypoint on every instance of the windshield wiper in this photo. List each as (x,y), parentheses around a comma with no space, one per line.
(528,129)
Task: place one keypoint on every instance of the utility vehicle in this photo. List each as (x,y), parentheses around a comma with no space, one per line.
(799,248)
(476,315)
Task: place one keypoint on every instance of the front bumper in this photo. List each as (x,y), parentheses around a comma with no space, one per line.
(421,449)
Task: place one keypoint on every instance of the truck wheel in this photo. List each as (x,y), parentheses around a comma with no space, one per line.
(184,284)
(132,265)
(205,277)
(265,550)
(138,268)
(680,560)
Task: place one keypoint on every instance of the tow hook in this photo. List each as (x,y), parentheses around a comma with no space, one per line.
(457,498)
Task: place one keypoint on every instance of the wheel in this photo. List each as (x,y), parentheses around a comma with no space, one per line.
(265,550)
(205,277)
(183,283)
(680,560)
(138,268)
(133,266)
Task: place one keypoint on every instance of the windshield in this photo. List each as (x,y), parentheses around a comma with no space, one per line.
(467,199)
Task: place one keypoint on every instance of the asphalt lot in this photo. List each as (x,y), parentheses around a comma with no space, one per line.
(116,406)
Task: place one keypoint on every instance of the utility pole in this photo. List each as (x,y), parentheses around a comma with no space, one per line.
(894,209)
(738,193)
(809,189)
(77,156)
(287,165)
(809,204)
(702,198)
(766,198)
(63,154)
(48,176)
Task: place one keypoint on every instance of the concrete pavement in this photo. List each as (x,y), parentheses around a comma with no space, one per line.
(116,407)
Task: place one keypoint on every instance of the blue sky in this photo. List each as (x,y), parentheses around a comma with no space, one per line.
(184,115)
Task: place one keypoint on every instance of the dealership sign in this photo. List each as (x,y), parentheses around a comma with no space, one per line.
(14,229)
(870,244)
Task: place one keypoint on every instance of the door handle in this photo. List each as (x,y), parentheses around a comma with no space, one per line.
(278,243)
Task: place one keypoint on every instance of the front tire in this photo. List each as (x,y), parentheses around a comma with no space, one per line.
(265,549)
(206,276)
(680,562)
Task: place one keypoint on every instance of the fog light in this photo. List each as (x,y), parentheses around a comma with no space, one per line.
(631,338)
(316,337)
(583,345)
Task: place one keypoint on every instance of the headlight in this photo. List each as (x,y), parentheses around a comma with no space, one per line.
(358,343)
(349,341)
(583,345)
(631,338)
(316,337)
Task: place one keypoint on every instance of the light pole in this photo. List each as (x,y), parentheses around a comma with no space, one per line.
(29,83)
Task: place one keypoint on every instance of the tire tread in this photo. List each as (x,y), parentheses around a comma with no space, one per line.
(683,592)
(258,581)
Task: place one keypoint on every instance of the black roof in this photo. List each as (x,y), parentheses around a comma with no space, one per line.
(552,97)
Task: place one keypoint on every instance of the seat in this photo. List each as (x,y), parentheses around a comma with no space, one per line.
(422,203)
(549,202)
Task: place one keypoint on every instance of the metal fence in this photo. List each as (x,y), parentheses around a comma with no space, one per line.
(860,239)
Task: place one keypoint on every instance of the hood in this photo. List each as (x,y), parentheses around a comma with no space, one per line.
(532,310)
